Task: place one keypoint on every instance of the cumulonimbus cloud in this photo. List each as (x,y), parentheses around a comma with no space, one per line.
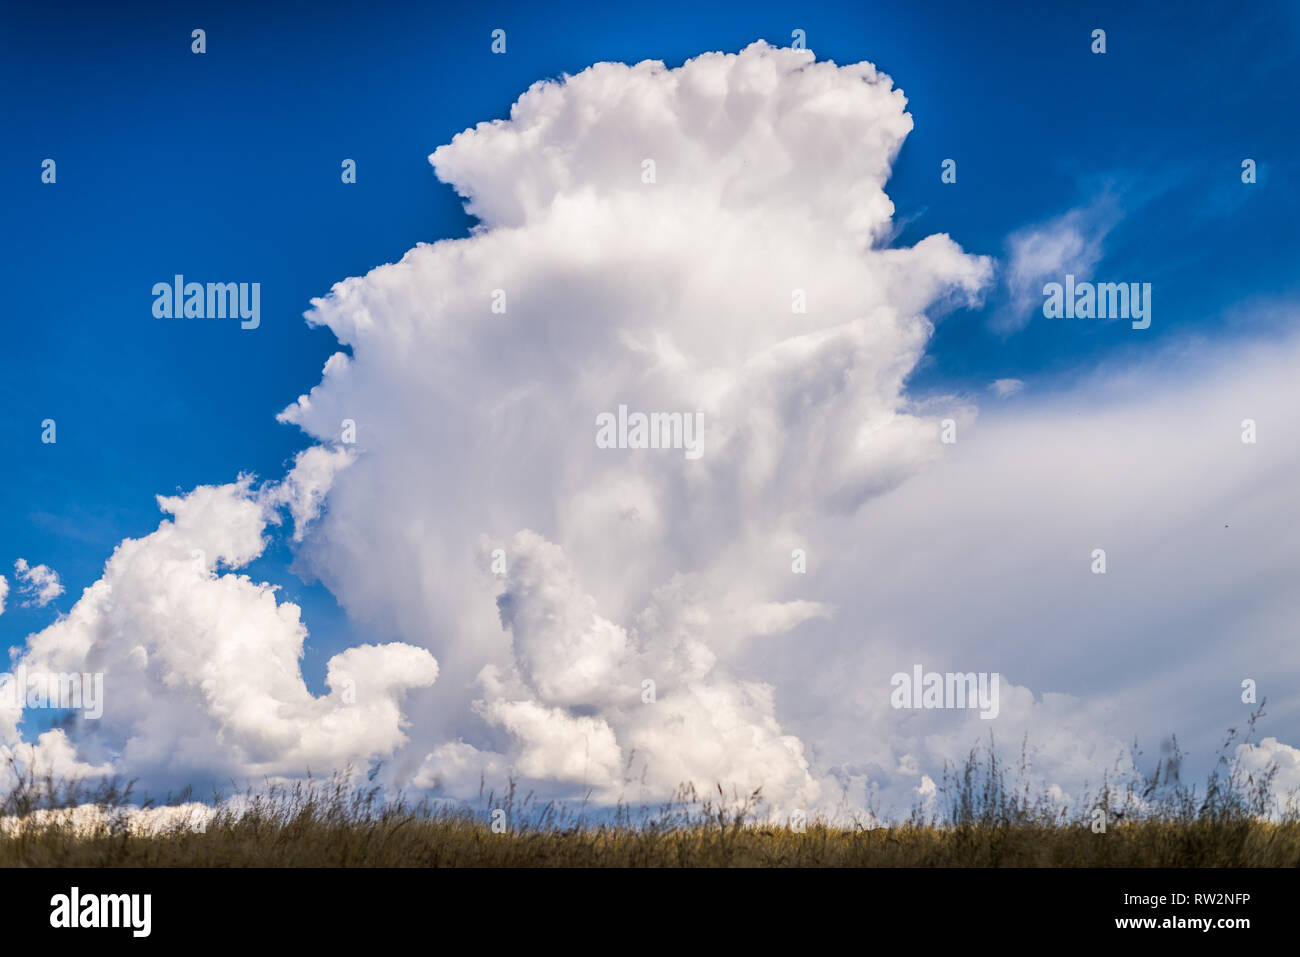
(705,241)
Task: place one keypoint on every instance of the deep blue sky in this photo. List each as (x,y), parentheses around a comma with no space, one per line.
(225,166)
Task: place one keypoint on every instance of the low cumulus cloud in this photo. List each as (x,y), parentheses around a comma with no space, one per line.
(201,664)
(37,584)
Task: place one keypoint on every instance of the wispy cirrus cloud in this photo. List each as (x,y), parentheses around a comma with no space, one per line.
(1073,242)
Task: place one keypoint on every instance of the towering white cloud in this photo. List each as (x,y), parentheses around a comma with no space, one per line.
(697,240)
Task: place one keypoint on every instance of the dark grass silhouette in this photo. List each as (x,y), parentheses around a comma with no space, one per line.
(978,819)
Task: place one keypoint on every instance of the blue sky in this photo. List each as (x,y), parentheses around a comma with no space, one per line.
(226,166)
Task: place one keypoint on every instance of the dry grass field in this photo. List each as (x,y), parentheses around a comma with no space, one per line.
(978,820)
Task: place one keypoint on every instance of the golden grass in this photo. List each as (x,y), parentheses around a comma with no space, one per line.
(977,820)
(411,841)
